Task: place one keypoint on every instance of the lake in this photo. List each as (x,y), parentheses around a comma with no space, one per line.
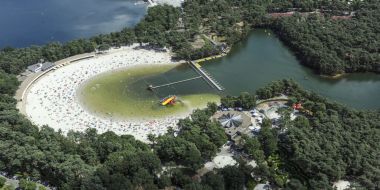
(250,65)
(25,22)
(263,58)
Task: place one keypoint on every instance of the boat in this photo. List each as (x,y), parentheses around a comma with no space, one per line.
(169,100)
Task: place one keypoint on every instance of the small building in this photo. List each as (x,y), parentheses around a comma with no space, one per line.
(35,68)
(47,65)
(255,129)
(40,67)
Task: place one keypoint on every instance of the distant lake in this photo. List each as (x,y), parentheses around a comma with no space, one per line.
(27,22)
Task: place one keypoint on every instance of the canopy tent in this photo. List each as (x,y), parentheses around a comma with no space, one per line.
(230,120)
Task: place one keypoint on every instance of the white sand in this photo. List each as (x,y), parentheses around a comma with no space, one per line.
(341,185)
(52,99)
(252,163)
(222,159)
(174,3)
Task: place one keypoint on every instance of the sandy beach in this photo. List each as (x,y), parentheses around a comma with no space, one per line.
(174,3)
(52,100)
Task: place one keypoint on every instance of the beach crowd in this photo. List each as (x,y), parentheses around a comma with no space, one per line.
(53,100)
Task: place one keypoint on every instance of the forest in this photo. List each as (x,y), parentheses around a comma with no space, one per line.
(335,46)
(329,46)
(328,143)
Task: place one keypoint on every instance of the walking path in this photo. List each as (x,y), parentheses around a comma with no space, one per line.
(30,79)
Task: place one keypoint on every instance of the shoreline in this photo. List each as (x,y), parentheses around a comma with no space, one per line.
(211,58)
(336,76)
(52,100)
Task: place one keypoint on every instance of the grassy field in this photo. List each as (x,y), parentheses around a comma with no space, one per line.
(124,94)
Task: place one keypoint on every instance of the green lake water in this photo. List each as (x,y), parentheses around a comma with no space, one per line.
(124,93)
(250,65)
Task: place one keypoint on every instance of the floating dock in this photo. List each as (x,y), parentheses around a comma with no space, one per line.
(202,74)
(151,87)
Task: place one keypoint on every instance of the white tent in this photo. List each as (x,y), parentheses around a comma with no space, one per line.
(230,120)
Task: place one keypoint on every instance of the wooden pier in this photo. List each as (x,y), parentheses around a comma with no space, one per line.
(208,78)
